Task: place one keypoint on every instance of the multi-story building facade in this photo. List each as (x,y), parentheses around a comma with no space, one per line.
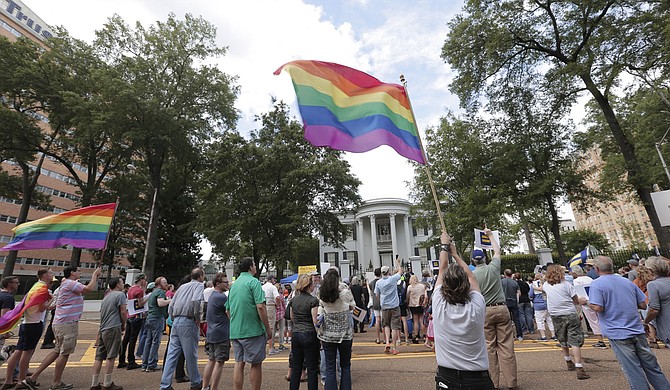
(17,20)
(622,221)
(379,230)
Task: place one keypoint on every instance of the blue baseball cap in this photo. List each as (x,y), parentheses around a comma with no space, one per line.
(478,255)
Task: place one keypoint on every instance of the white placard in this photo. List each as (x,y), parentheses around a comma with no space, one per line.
(133,309)
(661,200)
(483,241)
(359,314)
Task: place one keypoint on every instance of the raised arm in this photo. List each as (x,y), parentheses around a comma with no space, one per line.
(444,262)
(495,244)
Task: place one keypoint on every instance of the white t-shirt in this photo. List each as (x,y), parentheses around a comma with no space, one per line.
(206,293)
(459,333)
(559,298)
(271,293)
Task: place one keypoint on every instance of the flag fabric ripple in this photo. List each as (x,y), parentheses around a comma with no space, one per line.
(346,109)
(37,295)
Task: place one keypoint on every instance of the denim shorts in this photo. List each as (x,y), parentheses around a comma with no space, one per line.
(250,350)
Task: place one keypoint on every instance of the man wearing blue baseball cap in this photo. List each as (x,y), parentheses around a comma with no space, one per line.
(498,328)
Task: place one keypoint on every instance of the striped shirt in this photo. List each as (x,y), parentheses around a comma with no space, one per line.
(187,301)
(70,302)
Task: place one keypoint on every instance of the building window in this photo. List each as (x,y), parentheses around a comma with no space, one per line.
(425,231)
(416,252)
(428,254)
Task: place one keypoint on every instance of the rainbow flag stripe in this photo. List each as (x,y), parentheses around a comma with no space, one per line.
(346,109)
(37,295)
(82,228)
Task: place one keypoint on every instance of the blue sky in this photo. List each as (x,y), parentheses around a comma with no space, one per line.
(382,37)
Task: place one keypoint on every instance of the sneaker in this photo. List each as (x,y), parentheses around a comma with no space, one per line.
(152,369)
(122,365)
(197,387)
(273,352)
(62,386)
(282,347)
(395,352)
(570,364)
(183,380)
(112,386)
(30,383)
(520,338)
(554,338)
(96,387)
(600,345)
(133,366)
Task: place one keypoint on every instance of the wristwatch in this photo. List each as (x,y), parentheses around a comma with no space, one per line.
(444,247)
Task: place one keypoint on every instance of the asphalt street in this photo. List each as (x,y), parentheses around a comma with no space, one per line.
(540,366)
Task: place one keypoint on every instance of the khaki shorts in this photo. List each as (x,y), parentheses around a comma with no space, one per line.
(272,315)
(66,337)
(109,344)
(568,330)
(391,318)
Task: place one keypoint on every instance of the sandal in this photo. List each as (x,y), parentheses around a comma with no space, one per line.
(395,352)
(387,349)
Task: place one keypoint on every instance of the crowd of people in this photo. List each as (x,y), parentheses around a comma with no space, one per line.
(469,314)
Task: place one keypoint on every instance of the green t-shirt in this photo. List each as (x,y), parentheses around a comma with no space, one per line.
(156,311)
(243,297)
(488,278)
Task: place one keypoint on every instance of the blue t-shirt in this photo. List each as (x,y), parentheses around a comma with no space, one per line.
(619,298)
(218,326)
(388,291)
(538,299)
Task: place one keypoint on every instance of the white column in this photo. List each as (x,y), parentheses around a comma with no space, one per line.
(373,233)
(360,243)
(394,239)
(408,236)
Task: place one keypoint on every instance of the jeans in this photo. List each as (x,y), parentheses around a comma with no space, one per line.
(322,365)
(130,339)
(183,338)
(639,364)
(154,332)
(305,349)
(526,317)
(514,312)
(331,350)
(141,340)
(462,380)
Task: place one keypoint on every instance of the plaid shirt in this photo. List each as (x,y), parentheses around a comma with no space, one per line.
(281,309)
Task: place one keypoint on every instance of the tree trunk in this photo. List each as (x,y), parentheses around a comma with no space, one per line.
(529,238)
(632,164)
(556,229)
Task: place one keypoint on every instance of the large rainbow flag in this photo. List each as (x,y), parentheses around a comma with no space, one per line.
(82,228)
(37,295)
(346,109)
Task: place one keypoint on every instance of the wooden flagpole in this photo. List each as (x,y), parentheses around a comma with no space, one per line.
(426,167)
(109,231)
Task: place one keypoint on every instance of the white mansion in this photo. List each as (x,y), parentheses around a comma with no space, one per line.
(380,230)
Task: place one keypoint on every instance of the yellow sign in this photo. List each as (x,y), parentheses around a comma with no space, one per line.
(305,269)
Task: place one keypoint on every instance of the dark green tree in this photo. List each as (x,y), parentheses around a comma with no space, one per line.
(576,240)
(173,100)
(271,191)
(569,48)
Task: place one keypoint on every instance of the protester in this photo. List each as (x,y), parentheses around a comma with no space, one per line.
(336,332)
(135,324)
(616,301)
(361,298)
(402,299)
(582,284)
(113,315)
(512,292)
(280,326)
(218,333)
(387,293)
(525,307)
(644,276)
(272,299)
(658,311)
(498,324)
(459,312)
(376,305)
(416,300)
(185,309)
(155,325)
(561,301)
(69,307)
(249,326)
(304,342)
(30,333)
(540,307)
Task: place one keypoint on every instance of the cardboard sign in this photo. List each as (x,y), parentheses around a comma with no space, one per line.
(483,241)
(133,307)
(306,269)
(358,314)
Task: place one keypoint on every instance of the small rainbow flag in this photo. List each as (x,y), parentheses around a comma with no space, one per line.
(82,228)
(37,295)
(346,109)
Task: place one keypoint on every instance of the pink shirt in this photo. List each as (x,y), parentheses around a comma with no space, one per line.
(70,302)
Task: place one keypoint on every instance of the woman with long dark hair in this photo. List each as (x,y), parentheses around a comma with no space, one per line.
(459,310)
(336,331)
(304,343)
